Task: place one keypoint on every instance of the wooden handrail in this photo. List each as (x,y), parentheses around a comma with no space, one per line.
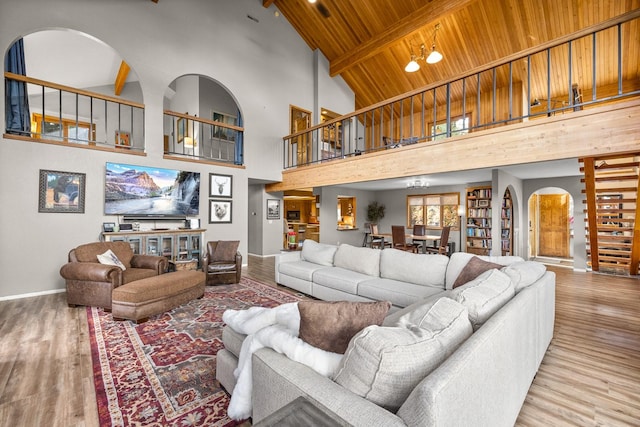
(83,92)
(201,120)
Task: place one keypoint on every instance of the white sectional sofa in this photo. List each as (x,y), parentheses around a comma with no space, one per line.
(349,273)
(482,382)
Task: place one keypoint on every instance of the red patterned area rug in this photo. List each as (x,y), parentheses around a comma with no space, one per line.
(162,372)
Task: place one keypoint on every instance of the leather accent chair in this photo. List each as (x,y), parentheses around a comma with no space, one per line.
(91,283)
(222,262)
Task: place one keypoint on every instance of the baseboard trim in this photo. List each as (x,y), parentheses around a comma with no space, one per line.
(262,256)
(32,294)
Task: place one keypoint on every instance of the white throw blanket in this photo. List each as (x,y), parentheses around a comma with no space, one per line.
(276,328)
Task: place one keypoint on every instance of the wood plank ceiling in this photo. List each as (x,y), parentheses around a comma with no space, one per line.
(368,42)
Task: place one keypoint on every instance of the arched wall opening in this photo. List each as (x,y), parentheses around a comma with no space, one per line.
(88,93)
(201,96)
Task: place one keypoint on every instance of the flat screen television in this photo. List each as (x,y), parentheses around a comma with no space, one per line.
(144,191)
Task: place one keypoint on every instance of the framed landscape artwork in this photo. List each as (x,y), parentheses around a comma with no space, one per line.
(220,132)
(62,192)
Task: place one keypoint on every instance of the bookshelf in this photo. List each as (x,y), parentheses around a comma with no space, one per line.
(506,224)
(479,220)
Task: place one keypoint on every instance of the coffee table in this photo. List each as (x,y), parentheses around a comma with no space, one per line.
(303,411)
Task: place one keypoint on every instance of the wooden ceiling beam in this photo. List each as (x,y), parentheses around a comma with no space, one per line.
(267,3)
(121,78)
(431,12)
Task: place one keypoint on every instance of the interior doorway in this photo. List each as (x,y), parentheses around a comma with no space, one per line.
(299,120)
(551,225)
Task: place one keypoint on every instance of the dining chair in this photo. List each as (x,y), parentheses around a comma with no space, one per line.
(443,244)
(377,242)
(399,239)
(418,230)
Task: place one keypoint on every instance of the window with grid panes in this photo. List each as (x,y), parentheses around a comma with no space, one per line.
(433,210)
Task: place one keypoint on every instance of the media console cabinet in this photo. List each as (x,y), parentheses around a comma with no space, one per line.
(175,244)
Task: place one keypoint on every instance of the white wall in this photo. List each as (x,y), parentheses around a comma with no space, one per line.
(265,65)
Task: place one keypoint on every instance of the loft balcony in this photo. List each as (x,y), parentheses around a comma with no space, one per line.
(575,96)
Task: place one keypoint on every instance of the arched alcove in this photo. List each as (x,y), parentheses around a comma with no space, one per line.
(195,95)
(81,81)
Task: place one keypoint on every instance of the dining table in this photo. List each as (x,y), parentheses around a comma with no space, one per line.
(414,237)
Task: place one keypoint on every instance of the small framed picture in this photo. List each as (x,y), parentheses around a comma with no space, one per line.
(61,191)
(123,139)
(273,209)
(108,227)
(219,211)
(483,203)
(220,185)
(182,130)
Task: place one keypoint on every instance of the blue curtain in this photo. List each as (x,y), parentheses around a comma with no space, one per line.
(16,99)
(239,157)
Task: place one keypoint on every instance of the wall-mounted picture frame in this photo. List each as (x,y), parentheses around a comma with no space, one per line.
(61,192)
(220,185)
(220,132)
(123,139)
(273,209)
(182,130)
(219,211)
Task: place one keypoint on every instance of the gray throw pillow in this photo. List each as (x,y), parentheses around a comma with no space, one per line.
(318,253)
(384,364)
(484,295)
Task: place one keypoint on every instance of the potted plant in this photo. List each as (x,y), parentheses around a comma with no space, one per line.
(375,212)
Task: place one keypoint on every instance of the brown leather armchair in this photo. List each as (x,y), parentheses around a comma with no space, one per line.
(222,262)
(91,283)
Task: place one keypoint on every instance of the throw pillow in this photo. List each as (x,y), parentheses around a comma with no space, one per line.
(360,260)
(109,258)
(384,364)
(331,325)
(318,253)
(524,273)
(225,250)
(484,295)
(473,269)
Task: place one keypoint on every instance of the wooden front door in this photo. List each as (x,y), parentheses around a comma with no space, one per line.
(554,225)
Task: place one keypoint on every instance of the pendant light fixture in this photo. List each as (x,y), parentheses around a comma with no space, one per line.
(413,65)
(434,55)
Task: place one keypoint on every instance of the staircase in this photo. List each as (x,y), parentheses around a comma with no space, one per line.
(612,212)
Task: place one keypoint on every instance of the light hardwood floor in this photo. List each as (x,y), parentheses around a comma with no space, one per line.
(590,375)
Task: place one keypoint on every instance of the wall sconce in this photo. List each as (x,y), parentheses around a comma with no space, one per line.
(434,55)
